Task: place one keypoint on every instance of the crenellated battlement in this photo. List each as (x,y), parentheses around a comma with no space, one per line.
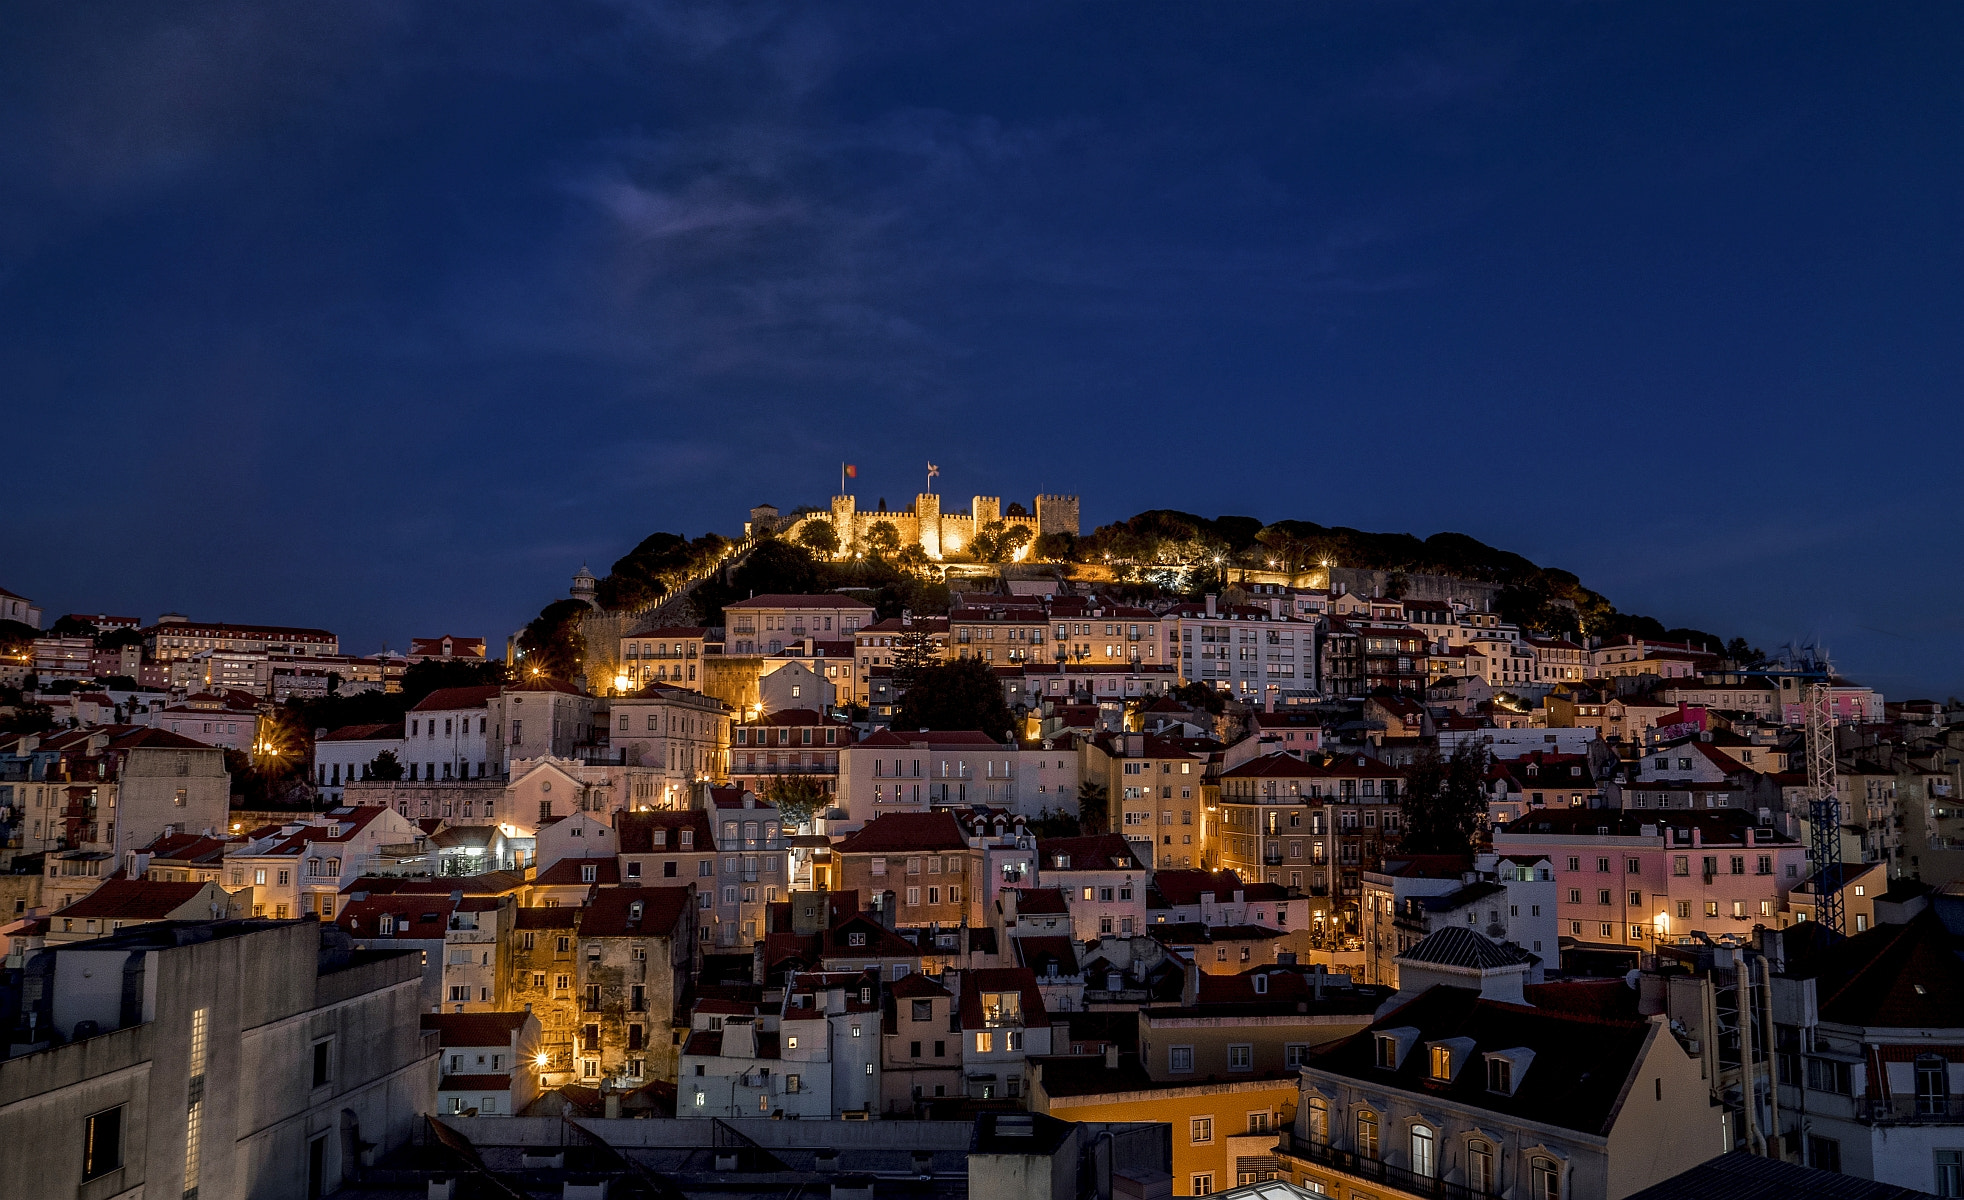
(936,532)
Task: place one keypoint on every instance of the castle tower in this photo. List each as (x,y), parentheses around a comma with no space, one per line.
(1057,514)
(927,510)
(985,509)
(843,521)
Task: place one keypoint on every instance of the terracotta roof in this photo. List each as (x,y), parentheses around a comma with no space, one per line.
(424,917)
(188,847)
(611,912)
(1098,852)
(134,900)
(381,732)
(636,831)
(444,699)
(567,872)
(540,917)
(476,1028)
(906,831)
(916,986)
(1185,887)
(1037,953)
(1040,902)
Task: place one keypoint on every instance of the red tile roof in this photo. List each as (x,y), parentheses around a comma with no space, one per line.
(636,831)
(445,699)
(134,900)
(475,1029)
(567,872)
(906,831)
(1098,852)
(634,912)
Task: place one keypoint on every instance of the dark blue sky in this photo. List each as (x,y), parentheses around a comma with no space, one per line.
(386,316)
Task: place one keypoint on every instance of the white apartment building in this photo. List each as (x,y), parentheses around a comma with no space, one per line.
(1253,651)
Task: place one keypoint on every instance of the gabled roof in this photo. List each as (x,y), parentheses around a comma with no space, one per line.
(915,986)
(613,912)
(906,831)
(134,900)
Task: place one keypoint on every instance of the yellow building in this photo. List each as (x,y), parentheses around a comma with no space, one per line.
(1224,1131)
(1153,785)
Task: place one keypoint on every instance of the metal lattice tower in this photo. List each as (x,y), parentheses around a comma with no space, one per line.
(1823,805)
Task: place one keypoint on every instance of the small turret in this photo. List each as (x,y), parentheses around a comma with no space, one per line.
(583,587)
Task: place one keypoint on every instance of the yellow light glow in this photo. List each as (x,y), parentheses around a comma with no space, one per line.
(540,1060)
(620,683)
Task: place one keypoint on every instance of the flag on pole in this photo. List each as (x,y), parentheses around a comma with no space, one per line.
(852,472)
(932,470)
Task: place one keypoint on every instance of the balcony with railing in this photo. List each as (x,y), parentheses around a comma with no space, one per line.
(1911,1110)
(1373,1170)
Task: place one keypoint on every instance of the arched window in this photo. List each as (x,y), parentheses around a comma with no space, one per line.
(1479,1165)
(1319,1121)
(1424,1162)
(1544,1179)
(1367,1134)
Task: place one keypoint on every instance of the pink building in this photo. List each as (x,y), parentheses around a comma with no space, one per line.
(1636,880)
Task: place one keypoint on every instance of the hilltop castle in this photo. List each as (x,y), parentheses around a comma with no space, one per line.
(936,532)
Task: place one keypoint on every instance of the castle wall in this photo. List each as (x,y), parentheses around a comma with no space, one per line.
(940,533)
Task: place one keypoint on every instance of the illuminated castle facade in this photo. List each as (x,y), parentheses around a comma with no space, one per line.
(938,533)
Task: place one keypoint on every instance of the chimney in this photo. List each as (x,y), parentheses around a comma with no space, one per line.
(1275,607)
(1111,1056)
(1211,610)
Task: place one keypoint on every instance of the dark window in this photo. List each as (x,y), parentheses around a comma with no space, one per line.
(1823,1154)
(668,870)
(321,1073)
(590,1039)
(940,1049)
(923,1010)
(102,1143)
(634,1037)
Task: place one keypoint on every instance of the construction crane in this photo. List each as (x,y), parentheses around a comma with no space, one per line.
(1808,668)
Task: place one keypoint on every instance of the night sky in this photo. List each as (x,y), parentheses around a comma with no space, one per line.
(384,317)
